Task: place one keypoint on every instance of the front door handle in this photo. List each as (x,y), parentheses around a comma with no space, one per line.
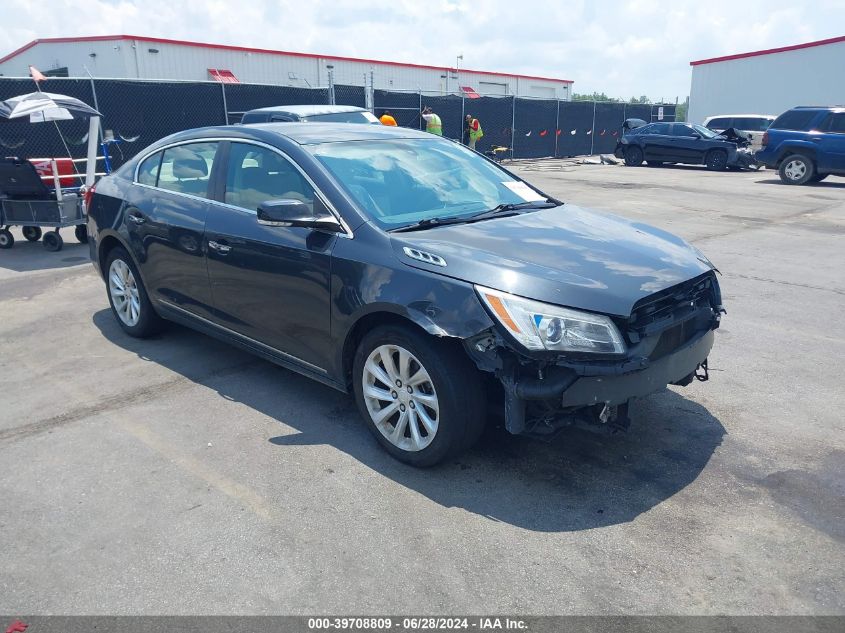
(220,248)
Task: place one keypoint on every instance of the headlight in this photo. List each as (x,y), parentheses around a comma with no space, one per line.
(540,326)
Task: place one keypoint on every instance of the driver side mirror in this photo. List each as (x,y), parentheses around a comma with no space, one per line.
(696,135)
(289,212)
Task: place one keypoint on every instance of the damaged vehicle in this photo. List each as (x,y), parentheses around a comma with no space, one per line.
(683,143)
(432,284)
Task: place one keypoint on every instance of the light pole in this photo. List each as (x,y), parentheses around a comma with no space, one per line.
(458,61)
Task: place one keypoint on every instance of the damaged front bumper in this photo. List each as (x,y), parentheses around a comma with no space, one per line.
(541,396)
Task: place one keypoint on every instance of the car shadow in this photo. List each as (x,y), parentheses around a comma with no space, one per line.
(577,481)
(27,256)
(824,184)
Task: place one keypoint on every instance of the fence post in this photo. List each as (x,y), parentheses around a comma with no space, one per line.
(463,114)
(419,118)
(557,126)
(593,130)
(513,124)
(225,105)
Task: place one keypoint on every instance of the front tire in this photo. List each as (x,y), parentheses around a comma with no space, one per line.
(421,397)
(127,296)
(716,160)
(796,169)
(633,156)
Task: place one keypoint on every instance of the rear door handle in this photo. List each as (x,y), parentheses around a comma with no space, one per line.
(220,248)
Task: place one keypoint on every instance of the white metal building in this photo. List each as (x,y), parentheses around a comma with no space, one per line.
(770,81)
(133,57)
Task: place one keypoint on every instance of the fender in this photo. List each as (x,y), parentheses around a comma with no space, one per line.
(362,291)
(795,146)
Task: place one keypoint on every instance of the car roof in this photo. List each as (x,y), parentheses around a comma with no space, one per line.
(315,133)
(310,110)
(298,132)
(724,116)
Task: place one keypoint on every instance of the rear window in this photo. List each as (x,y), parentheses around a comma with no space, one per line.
(795,120)
(722,123)
(343,117)
(835,123)
(752,123)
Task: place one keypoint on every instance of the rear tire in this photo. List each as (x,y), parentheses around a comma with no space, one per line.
(421,397)
(716,160)
(796,169)
(128,298)
(633,156)
(52,241)
(32,233)
(7,240)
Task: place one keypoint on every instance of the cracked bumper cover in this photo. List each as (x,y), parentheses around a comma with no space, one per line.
(613,390)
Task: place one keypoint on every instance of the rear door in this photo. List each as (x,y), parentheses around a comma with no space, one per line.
(269,283)
(656,143)
(165,218)
(831,142)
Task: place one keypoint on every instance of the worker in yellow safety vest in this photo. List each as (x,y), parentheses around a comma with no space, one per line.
(473,130)
(433,124)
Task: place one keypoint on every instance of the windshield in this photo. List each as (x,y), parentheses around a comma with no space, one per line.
(705,132)
(403,182)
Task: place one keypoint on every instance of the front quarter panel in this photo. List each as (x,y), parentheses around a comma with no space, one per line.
(367,278)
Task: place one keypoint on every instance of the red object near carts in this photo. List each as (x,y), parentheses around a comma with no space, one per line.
(64,166)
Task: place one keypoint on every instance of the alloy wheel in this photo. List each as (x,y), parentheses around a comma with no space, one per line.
(124,293)
(400,397)
(795,169)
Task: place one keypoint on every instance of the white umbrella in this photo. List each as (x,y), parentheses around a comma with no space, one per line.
(46,106)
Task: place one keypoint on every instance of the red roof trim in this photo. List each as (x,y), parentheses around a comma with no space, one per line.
(160,40)
(782,49)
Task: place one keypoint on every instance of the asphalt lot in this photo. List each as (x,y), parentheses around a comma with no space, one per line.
(180,476)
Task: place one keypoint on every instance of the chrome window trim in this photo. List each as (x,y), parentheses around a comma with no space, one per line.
(291,357)
(217,139)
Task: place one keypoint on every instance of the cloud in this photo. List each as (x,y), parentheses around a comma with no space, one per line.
(621,47)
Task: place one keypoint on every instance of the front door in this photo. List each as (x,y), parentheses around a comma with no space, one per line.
(269,283)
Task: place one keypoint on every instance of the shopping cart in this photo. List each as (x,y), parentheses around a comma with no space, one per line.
(27,202)
(25,199)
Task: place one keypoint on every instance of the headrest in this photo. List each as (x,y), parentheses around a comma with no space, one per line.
(188,164)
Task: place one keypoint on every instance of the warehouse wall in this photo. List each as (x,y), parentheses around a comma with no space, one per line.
(139,59)
(769,84)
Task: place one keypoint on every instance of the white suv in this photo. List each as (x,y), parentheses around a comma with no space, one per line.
(751,125)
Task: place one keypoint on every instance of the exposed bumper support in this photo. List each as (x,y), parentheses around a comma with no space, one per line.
(571,390)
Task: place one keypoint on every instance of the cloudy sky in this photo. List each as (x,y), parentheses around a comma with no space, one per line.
(620,47)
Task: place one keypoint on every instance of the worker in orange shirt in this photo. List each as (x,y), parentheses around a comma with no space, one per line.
(387,119)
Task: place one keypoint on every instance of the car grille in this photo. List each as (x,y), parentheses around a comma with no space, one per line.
(661,312)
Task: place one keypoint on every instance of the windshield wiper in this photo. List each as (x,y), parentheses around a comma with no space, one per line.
(508,208)
(428,223)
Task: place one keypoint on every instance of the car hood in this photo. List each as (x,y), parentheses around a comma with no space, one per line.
(564,255)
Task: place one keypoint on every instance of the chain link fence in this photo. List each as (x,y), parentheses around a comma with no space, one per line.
(137,113)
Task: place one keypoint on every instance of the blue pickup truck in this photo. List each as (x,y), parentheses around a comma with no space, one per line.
(806,144)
